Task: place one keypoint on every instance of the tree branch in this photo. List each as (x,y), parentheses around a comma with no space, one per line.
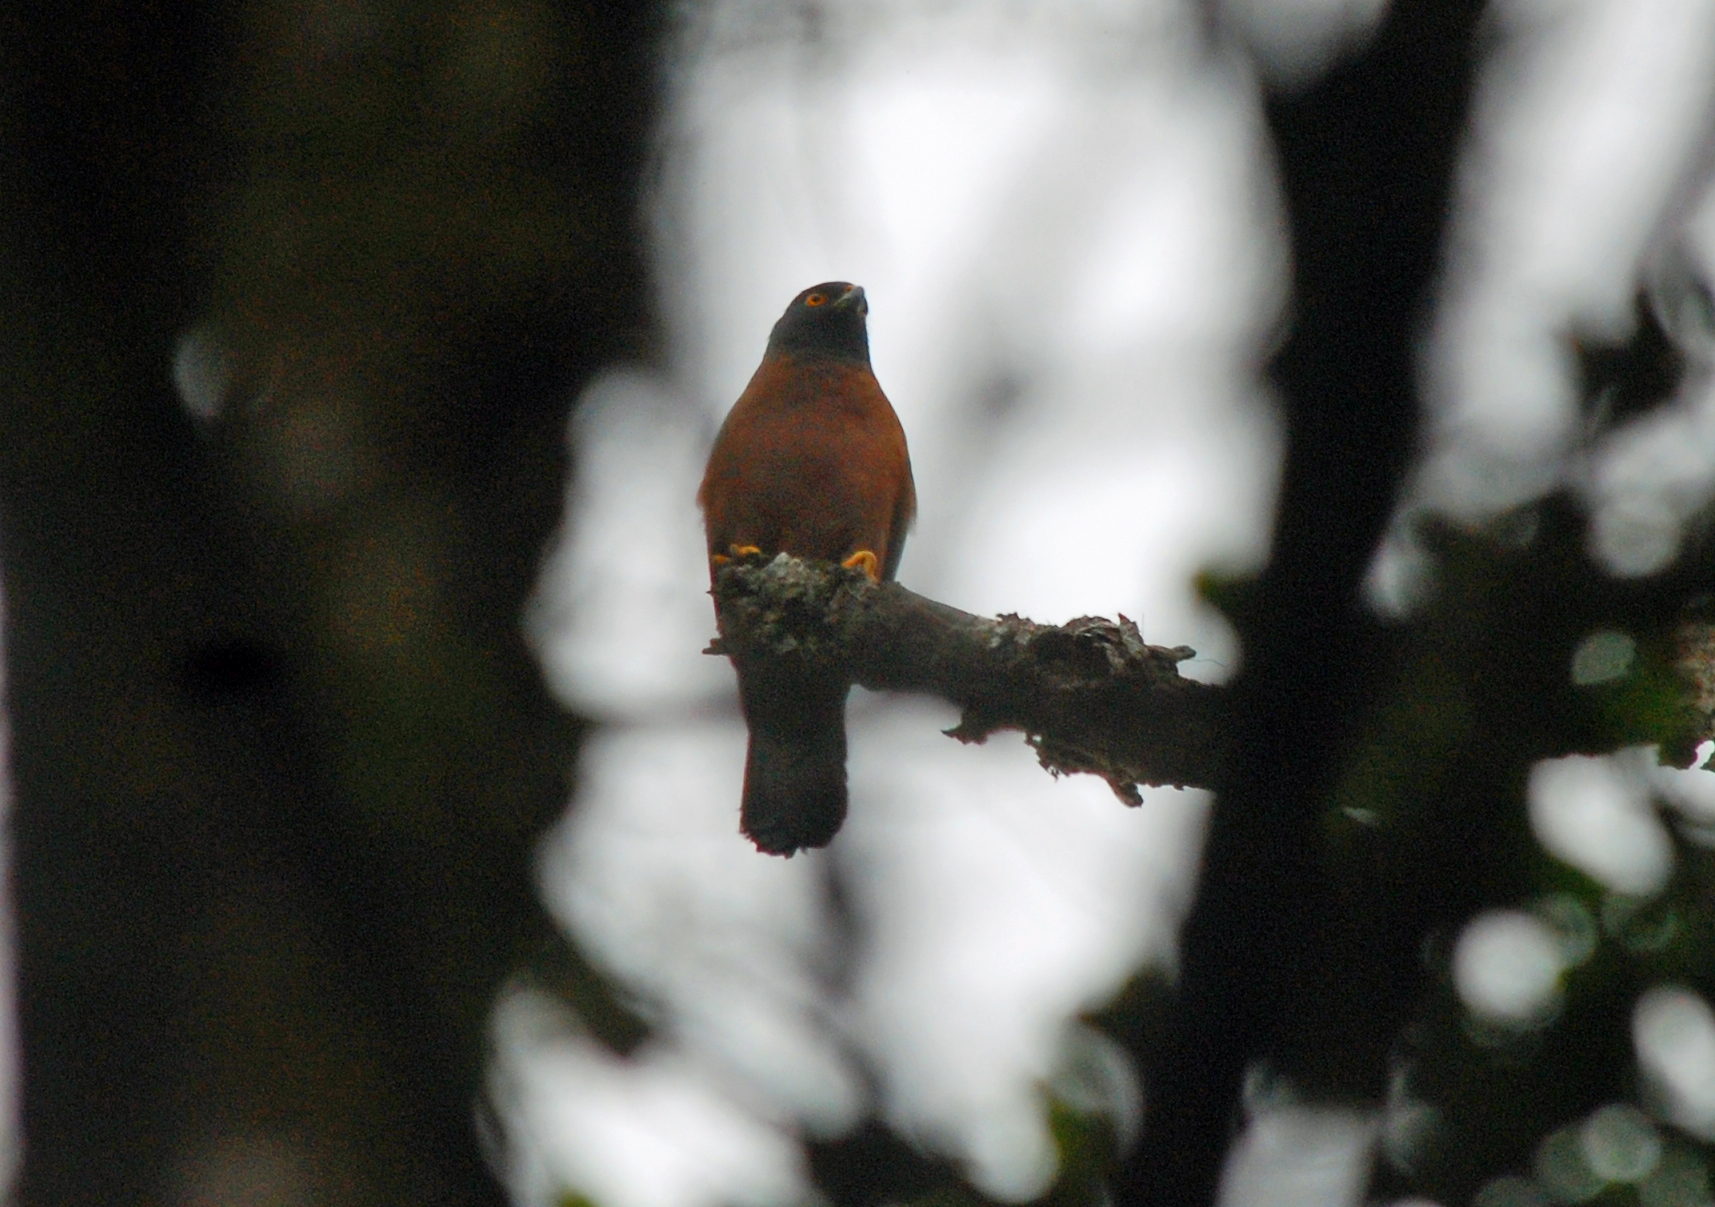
(1089,696)
(1696,664)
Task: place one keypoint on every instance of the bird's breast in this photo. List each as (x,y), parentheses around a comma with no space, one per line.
(811,461)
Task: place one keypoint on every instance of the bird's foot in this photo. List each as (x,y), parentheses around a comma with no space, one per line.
(866,561)
(735,551)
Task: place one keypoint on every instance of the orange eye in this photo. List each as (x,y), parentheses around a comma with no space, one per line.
(815,299)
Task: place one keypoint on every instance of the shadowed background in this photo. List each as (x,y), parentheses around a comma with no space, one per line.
(298,302)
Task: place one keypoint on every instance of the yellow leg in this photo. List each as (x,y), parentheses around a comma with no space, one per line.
(866,561)
(745,550)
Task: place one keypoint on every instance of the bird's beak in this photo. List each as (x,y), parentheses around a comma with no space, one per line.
(853,299)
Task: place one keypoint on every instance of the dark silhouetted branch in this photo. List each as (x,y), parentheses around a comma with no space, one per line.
(1089,696)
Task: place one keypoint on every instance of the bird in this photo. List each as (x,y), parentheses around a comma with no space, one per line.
(811,461)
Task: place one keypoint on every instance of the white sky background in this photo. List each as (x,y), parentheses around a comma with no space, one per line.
(1064,218)
(1587,171)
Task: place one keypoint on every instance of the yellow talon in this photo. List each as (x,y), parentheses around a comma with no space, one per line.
(863,560)
(745,551)
(719,559)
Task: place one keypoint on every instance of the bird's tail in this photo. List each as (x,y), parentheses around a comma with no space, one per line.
(795,773)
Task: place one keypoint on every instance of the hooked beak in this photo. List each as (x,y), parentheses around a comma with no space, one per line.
(853,299)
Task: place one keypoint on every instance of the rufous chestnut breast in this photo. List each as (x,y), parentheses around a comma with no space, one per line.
(811,461)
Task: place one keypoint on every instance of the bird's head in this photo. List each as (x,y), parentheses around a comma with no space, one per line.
(824,320)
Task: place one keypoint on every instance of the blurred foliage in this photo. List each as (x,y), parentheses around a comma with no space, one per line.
(1379,803)
(874,1166)
(1429,826)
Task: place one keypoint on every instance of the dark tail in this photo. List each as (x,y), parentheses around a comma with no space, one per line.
(795,774)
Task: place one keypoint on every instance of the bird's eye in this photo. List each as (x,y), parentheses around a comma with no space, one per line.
(815,299)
